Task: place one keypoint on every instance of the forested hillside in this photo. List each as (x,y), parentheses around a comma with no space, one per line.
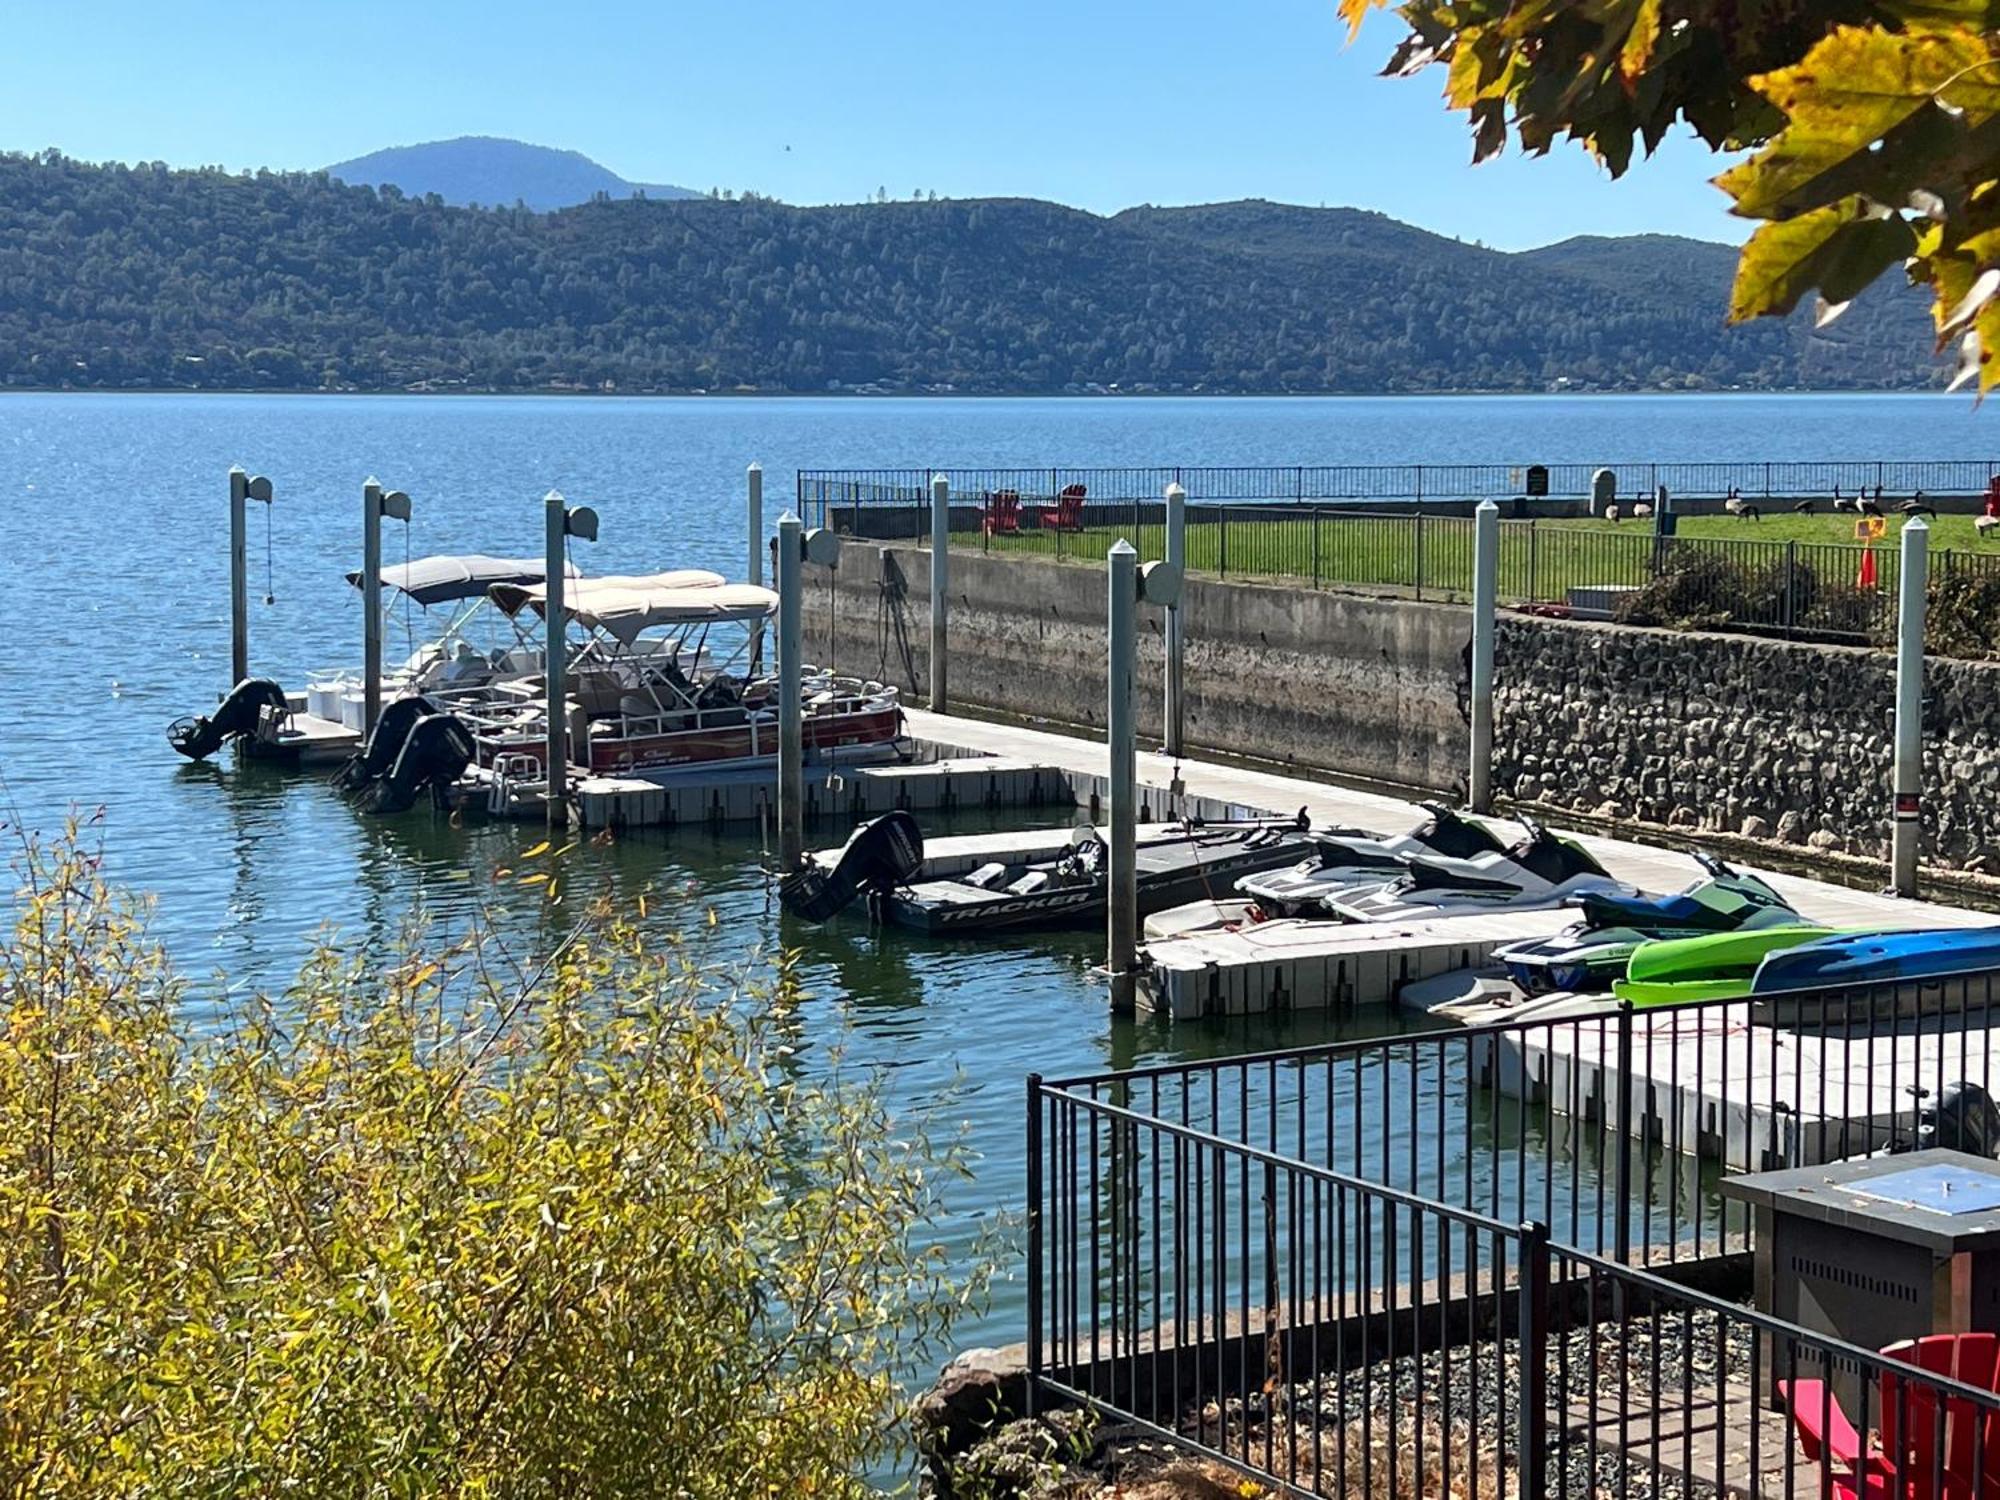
(146,277)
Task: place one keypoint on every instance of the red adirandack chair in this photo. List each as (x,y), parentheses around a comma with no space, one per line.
(1915,1445)
(1003,512)
(1067,514)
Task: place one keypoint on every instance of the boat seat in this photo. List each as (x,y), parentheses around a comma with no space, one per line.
(987,877)
(1030,883)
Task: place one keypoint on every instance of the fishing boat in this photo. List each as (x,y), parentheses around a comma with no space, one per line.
(667,681)
(1589,955)
(1173,862)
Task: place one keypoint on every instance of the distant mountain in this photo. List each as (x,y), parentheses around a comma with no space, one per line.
(498,173)
(144,277)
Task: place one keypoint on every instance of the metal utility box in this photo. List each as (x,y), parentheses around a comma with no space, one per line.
(1874,1251)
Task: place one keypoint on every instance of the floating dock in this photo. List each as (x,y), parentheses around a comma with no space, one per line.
(850,792)
(1714,1083)
(1300,964)
(1288,968)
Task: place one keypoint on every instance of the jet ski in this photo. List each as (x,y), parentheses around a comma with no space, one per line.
(1852,958)
(1713,966)
(1541,871)
(1344,857)
(1589,955)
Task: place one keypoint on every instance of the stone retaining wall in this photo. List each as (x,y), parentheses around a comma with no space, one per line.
(1761,739)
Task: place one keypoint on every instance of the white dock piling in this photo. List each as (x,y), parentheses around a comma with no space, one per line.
(791,748)
(375,504)
(1485,601)
(242,487)
(1176,638)
(1906,827)
(754,529)
(1128,585)
(559,524)
(940,585)
(1123,934)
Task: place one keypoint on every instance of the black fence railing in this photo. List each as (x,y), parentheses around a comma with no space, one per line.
(1468,1248)
(1835,591)
(822,493)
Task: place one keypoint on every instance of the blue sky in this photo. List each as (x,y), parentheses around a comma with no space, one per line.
(1097,103)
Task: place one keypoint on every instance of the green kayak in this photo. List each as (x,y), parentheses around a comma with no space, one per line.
(1714,966)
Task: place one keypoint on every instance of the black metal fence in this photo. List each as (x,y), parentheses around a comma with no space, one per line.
(1338,1265)
(1822,590)
(823,492)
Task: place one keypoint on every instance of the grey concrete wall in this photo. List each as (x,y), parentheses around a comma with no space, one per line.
(1370,688)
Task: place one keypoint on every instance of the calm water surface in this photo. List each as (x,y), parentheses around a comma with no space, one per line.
(116,550)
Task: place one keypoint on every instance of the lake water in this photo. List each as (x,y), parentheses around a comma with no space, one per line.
(116,553)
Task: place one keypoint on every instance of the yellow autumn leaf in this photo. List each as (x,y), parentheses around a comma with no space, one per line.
(541,848)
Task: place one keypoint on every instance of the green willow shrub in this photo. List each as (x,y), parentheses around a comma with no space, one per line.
(432,1227)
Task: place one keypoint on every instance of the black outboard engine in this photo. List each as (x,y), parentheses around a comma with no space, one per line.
(392,729)
(1964,1118)
(435,753)
(200,736)
(881,856)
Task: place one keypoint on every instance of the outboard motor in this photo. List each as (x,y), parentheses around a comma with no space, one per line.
(200,736)
(1964,1118)
(435,753)
(882,855)
(392,729)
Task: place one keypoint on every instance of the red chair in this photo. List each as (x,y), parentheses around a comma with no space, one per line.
(1003,513)
(1909,1427)
(1067,514)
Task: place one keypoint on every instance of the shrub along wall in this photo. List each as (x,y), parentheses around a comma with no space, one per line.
(1733,734)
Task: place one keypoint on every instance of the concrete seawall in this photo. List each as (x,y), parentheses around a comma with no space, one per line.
(1371,688)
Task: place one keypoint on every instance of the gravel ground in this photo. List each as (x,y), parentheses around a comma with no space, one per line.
(1414,1428)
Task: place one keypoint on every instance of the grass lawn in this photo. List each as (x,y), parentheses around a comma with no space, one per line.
(1542,560)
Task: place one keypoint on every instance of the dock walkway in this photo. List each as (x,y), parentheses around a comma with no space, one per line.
(1322,965)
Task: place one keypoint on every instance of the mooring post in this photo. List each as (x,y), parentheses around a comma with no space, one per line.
(1485,602)
(940,584)
(1119,720)
(375,504)
(239,577)
(1906,829)
(560,523)
(1176,634)
(791,747)
(242,487)
(754,528)
(1128,585)
(797,544)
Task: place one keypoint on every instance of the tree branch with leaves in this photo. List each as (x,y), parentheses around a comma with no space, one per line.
(1874,129)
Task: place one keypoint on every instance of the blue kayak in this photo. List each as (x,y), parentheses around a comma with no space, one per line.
(1870,957)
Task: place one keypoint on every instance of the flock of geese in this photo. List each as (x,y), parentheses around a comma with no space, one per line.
(1860,504)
